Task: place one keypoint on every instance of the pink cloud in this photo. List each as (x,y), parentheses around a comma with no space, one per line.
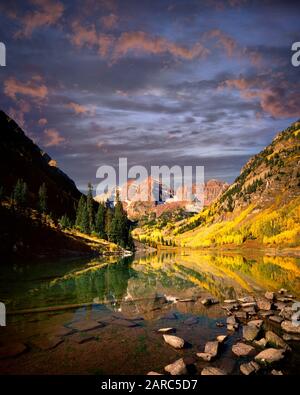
(77,108)
(276,96)
(53,138)
(42,121)
(46,13)
(33,88)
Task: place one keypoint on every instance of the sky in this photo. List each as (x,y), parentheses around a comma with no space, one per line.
(160,82)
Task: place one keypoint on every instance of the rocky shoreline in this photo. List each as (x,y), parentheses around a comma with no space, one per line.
(264,347)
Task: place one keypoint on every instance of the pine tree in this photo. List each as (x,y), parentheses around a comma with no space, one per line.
(85,224)
(65,222)
(119,229)
(42,204)
(20,194)
(80,212)
(90,208)
(100,221)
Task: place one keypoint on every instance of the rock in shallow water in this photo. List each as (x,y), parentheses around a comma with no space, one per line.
(270,355)
(166,330)
(242,349)
(290,327)
(250,332)
(212,348)
(256,323)
(276,341)
(205,356)
(211,371)
(249,368)
(174,341)
(86,325)
(176,368)
(12,350)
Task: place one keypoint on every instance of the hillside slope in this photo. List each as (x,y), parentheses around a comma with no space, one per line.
(263,203)
(21,158)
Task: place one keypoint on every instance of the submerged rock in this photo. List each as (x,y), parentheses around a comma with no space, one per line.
(191,321)
(231,320)
(249,368)
(87,325)
(270,355)
(48,343)
(12,350)
(176,368)
(242,349)
(174,341)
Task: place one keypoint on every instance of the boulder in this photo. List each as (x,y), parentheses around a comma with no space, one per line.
(248,304)
(211,348)
(230,301)
(211,371)
(241,315)
(276,372)
(263,304)
(209,301)
(249,368)
(264,313)
(221,338)
(153,374)
(276,341)
(256,323)
(231,320)
(289,338)
(242,349)
(282,291)
(250,332)
(166,330)
(174,341)
(270,295)
(176,368)
(276,318)
(205,356)
(286,313)
(246,299)
(290,327)
(270,355)
(261,342)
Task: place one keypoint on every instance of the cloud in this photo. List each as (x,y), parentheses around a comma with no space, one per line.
(42,121)
(276,95)
(143,42)
(53,138)
(18,114)
(33,88)
(46,13)
(77,108)
(135,42)
(109,21)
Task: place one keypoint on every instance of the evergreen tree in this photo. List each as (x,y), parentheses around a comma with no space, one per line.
(80,212)
(90,208)
(108,221)
(20,194)
(65,222)
(119,229)
(42,204)
(85,224)
(100,221)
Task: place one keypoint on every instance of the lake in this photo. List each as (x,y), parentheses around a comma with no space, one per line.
(132,298)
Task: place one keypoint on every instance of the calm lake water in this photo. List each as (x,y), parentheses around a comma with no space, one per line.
(225,276)
(109,289)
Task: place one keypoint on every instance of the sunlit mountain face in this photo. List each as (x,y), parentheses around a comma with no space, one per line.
(159,82)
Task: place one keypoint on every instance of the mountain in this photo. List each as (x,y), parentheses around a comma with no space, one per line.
(21,158)
(261,207)
(149,189)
